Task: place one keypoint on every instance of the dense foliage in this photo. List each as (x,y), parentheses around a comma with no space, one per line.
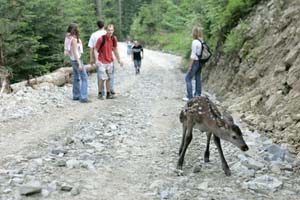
(168,23)
(32,31)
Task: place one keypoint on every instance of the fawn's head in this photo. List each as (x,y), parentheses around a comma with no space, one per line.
(231,132)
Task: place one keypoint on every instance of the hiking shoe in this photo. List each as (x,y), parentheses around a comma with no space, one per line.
(109,96)
(185,99)
(112,92)
(85,101)
(75,98)
(100,96)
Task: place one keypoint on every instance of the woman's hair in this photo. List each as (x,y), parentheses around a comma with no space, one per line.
(197,32)
(73,30)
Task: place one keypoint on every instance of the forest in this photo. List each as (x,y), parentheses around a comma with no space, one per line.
(32,31)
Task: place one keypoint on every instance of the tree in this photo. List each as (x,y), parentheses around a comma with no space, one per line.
(98,8)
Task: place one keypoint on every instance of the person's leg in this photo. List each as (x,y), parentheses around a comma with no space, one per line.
(107,86)
(98,76)
(84,84)
(103,77)
(139,66)
(112,80)
(188,79)
(135,66)
(76,81)
(109,71)
(198,89)
(100,94)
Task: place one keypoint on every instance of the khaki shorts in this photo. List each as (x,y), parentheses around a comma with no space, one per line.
(105,70)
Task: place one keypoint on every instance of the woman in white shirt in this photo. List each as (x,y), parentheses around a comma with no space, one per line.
(194,67)
(74,46)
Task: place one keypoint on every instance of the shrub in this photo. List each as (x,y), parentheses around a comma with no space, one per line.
(235,40)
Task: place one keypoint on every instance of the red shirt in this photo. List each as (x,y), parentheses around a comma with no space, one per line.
(105,54)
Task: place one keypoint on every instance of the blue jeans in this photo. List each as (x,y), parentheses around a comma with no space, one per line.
(195,71)
(137,65)
(79,89)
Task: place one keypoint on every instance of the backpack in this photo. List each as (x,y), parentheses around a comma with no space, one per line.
(104,40)
(205,53)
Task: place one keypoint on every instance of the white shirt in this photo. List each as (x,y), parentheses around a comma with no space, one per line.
(79,51)
(94,37)
(196,49)
(93,41)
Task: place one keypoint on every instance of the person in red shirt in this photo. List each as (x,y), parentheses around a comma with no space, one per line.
(105,58)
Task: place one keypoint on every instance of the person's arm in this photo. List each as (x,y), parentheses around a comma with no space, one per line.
(91,46)
(142,53)
(75,51)
(190,64)
(193,56)
(92,59)
(116,52)
(132,54)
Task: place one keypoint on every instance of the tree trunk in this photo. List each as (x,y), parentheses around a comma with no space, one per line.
(58,78)
(98,8)
(1,51)
(120,15)
(5,85)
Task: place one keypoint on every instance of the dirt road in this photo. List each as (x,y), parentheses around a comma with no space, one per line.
(120,149)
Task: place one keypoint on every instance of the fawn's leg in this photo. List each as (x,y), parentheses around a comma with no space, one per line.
(184,128)
(187,140)
(224,163)
(206,154)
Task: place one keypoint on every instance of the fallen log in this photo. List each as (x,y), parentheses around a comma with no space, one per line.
(59,77)
(4,81)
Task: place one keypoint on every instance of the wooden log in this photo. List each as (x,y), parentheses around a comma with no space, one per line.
(59,77)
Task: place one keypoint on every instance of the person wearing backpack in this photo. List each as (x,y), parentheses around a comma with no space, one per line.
(197,60)
(106,45)
(94,52)
(73,48)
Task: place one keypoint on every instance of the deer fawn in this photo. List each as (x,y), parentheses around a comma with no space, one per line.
(202,112)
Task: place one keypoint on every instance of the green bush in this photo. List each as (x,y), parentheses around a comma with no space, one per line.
(235,39)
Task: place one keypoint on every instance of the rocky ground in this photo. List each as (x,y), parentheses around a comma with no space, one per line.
(126,149)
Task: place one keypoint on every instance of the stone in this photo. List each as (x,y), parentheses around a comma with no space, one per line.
(242,171)
(276,152)
(30,188)
(75,191)
(196,169)
(73,164)
(292,56)
(250,162)
(45,193)
(263,184)
(66,188)
(58,151)
(61,163)
(7,190)
(203,186)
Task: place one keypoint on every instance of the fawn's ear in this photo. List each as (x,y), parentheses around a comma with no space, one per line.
(220,122)
(227,117)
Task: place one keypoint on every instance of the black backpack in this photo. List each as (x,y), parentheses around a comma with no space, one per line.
(104,40)
(205,53)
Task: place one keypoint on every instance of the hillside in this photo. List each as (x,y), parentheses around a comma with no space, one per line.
(262,83)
